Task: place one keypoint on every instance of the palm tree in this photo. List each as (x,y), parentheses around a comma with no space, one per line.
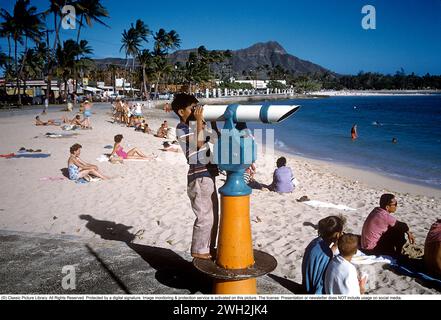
(90,10)
(24,24)
(145,59)
(7,28)
(164,41)
(35,61)
(132,40)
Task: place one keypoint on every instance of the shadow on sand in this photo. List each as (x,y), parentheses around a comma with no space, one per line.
(292,286)
(171,269)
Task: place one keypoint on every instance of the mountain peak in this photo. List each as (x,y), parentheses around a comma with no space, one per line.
(270,46)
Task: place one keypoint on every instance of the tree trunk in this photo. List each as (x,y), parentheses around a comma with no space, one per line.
(79,29)
(156,88)
(143,81)
(17,75)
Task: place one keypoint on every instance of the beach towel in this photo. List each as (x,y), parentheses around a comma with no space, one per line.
(361,258)
(414,273)
(81,181)
(69,127)
(7,156)
(60,134)
(31,155)
(52,178)
(321,204)
(102,158)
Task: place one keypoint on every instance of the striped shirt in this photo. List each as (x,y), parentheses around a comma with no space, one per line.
(199,166)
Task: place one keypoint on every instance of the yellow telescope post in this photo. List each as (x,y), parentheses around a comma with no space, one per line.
(237,265)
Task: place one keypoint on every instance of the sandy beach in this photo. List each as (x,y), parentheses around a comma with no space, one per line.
(150,197)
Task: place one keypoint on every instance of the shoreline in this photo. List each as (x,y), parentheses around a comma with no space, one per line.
(371,178)
(373,93)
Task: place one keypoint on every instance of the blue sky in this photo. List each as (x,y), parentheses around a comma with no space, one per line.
(329,33)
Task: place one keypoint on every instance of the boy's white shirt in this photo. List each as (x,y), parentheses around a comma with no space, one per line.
(341,277)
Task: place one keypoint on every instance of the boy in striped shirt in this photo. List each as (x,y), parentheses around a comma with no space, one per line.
(201,184)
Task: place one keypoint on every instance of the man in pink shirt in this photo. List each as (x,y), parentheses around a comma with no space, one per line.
(432,250)
(382,233)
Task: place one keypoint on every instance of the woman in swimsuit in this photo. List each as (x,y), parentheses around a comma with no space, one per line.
(78,168)
(131,154)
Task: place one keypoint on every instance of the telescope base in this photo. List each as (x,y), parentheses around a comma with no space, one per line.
(237,281)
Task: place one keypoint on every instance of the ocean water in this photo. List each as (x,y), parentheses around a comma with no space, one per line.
(321,129)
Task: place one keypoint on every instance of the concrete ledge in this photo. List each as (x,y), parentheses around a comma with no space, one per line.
(32,263)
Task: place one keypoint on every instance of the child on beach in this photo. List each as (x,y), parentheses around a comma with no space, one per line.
(201,184)
(341,275)
(78,168)
(282,178)
(319,252)
(382,233)
(87,114)
(132,154)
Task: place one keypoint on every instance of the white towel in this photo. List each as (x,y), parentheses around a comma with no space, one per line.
(321,204)
(102,158)
(361,258)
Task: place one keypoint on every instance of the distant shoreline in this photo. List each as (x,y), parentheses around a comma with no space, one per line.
(367,93)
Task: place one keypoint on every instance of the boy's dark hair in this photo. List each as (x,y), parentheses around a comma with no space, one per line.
(37,117)
(182,101)
(118,138)
(348,244)
(75,147)
(386,200)
(330,225)
(281,162)
(77,116)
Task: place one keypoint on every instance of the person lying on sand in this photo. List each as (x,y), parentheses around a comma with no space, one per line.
(166,146)
(133,153)
(78,168)
(50,122)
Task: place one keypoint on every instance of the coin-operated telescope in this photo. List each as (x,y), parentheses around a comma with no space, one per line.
(237,265)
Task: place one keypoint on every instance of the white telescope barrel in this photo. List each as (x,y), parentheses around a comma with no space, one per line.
(251,112)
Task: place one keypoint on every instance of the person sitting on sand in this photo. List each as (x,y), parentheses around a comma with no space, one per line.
(382,233)
(78,168)
(341,276)
(282,178)
(432,250)
(319,252)
(162,132)
(132,154)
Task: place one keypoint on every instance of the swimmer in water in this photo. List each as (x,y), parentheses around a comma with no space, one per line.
(394,140)
(354,134)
